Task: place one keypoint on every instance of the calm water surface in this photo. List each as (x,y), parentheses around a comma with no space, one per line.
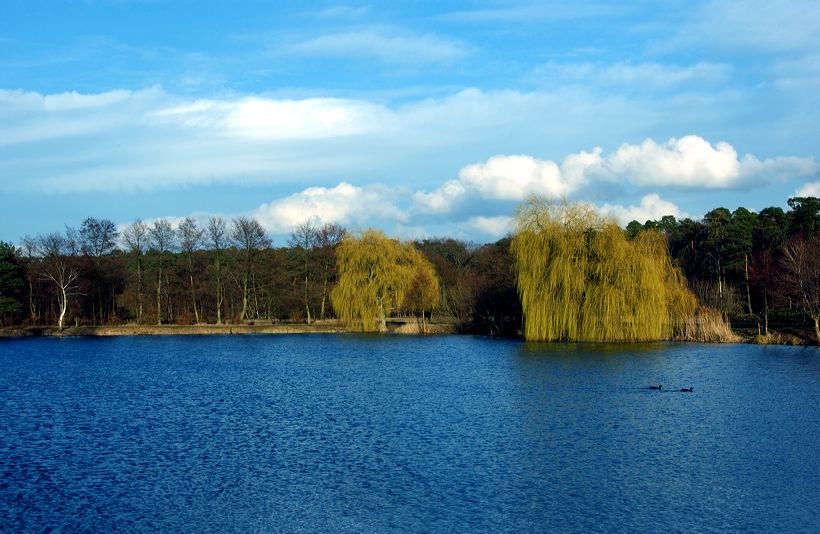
(347,433)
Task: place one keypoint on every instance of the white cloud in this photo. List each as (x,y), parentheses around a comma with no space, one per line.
(388,46)
(514,177)
(494,227)
(640,76)
(273,119)
(690,161)
(652,207)
(761,25)
(811,189)
(345,204)
(442,199)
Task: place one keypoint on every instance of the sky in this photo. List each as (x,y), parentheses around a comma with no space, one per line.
(424,119)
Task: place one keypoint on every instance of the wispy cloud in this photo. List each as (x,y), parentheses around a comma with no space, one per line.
(752,25)
(151,139)
(386,45)
(538,12)
(639,76)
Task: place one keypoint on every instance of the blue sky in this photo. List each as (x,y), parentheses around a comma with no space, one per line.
(421,118)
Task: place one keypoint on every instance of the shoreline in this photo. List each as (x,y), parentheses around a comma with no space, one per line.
(326,327)
(398,327)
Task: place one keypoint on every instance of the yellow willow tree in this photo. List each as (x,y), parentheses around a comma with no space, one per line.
(377,276)
(581,279)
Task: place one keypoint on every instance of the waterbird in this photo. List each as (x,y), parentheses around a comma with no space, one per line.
(655,387)
(688,390)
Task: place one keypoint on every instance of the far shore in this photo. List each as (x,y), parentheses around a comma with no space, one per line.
(781,336)
(318,327)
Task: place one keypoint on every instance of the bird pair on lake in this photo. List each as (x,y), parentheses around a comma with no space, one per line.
(660,387)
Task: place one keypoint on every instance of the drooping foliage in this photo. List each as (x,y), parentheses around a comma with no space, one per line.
(581,279)
(379,276)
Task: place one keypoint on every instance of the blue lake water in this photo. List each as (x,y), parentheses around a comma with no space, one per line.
(357,433)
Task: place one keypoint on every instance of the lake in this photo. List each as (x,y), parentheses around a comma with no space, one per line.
(388,433)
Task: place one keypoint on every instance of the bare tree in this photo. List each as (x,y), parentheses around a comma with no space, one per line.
(801,256)
(98,236)
(190,239)
(303,238)
(327,239)
(136,237)
(217,237)
(162,237)
(249,237)
(56,269)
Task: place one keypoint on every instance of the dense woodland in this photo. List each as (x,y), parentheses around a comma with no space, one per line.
(756,268)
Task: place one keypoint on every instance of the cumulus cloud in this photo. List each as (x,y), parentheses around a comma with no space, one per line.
(689,162)
(652,207)
(494,227)
(811,189)
(345,204)
(514,177)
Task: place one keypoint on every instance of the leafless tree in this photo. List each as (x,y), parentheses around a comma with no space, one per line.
(162,237)
(98,236)
(801,257)
(190,239)
(249,237)
(53,248)
(327,239)
(136,237)
(303,239)
(217,237)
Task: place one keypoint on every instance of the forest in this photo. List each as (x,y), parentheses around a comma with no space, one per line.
(759,270)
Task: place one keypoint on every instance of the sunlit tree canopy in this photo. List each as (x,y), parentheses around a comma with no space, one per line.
(377,277)
(581,279)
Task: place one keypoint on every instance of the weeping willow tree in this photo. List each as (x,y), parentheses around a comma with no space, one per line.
(581,279)
(379,276)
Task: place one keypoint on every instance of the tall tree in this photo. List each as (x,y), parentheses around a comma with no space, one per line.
(53,249)
(12,281)
(190,239)
(303,239)
(801,256)
(249,237)
(97,237)
(136,239)
(30,249)
(738,248)
(375,274)
(805,215)
(217,238)
(163,239)
(328,239)
(581,279)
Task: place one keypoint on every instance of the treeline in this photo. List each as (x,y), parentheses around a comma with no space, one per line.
(754,267)
(224,272)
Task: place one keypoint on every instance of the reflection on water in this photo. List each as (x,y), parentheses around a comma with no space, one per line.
(371,433)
